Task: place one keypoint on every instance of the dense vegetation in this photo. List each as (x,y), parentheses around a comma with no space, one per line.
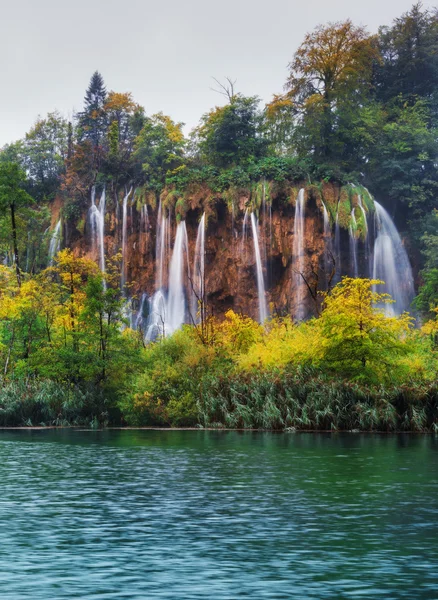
(68,357)
(355,108)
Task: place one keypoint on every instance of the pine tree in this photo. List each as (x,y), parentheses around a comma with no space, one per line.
(92,121)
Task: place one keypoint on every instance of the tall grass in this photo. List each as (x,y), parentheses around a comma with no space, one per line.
(48,403)
(306,399)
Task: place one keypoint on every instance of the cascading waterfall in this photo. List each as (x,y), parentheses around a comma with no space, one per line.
(141,317)
(93,214)
(244,235)
(55,242)
(353,245)
(198,283)
(367,232)
(391,263)
(263,309)
(101,232)
(327,242)
(167,314)
(176,306)
(298,255)
(338,246)
(97,222)
(157,321)
(124,238)
(157,317)
(144,219)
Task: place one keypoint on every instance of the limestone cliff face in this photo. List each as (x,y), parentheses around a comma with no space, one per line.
(230,260)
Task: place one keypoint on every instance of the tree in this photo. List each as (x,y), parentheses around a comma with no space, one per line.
(159,148)
(426,302)
(13,197)
(92,120)
(409,56)
(232,135)
(43,154)
(358,339)
(331,68)
(401,151)
(125,119)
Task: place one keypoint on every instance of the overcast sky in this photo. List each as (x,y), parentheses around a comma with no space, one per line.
(164,52)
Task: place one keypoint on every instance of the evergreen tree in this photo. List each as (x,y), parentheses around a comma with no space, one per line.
(409,56)
(92,121)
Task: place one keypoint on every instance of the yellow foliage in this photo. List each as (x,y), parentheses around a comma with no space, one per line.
(283,343)
(237,333)
(431,326)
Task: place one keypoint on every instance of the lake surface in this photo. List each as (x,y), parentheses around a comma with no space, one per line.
(217,515)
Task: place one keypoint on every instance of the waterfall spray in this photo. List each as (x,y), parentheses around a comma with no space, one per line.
(391,263)
(124,238)
(353,244)
(338,246)
(198,282)
(328,250)
(176,307)
(263,309)
(298,255)
(55,242)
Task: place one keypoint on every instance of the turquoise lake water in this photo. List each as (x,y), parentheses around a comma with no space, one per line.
(219,515)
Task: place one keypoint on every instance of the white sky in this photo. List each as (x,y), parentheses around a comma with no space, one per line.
(164,52)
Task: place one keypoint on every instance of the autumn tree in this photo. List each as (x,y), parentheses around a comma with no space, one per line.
(331,68)
(357,337)
(125,119)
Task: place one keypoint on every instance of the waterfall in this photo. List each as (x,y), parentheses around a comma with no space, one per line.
(353,244)
(124,237)
(263,310)
(141,318)
(101,232)
(55,242)
(93,214)
(157,321)
(97,223)
(162,248)
(367,233)
(144,219)
(167,314)
(328,252)
(338,246)
(243,242)
(298,255)
(157,317)
(198,283)
(391,263)
(176,307)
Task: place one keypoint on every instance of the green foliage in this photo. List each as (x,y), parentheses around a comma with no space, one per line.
(93,120)
(352,368)
(409,56)
(159,147)
(232,134)
(427,299)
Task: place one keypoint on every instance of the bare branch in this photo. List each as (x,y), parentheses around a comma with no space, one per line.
(226,89)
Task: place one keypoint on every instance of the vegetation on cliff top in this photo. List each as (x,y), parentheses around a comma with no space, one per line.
(356,108)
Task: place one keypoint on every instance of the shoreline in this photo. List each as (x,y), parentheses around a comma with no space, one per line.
(217,429)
